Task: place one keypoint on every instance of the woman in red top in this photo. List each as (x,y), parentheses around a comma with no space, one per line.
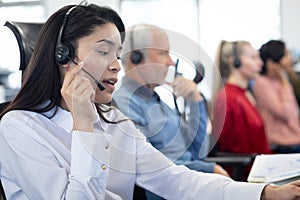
(236,122)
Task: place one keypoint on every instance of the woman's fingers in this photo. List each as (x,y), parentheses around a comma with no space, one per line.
(71,73)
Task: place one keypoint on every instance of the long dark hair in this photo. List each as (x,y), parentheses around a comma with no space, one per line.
(41,79)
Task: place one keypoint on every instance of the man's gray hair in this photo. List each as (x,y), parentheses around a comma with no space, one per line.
(138,37)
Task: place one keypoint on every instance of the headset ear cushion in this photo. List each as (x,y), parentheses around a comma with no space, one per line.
(237,63)
(136,57)
(64,53)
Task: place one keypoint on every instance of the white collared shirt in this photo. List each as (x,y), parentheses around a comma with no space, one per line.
(44,158)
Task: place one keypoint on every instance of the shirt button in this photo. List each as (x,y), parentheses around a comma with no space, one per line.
(103,167)
(106,146)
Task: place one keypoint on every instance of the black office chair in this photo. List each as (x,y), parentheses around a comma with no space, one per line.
(26,35)
(237,163)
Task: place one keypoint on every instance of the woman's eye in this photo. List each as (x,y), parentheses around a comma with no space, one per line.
(103,53)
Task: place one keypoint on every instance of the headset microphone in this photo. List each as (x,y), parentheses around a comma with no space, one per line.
(174,96)
(99,85)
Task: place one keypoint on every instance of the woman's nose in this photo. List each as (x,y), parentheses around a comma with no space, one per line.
(115,66)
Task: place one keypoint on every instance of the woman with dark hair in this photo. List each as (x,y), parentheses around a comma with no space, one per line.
(60,140)
(276,100)
(277,50)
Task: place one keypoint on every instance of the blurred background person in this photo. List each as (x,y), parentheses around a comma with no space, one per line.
(276,99)
(146,60)
(237,124)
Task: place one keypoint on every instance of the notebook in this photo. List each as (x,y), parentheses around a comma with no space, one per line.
(274,167)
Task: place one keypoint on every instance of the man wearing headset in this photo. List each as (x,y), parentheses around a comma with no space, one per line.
(146,59)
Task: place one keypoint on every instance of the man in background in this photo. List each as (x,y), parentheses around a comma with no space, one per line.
(146,59)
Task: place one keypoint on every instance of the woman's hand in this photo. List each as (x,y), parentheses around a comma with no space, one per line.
(78,93)
(277,72)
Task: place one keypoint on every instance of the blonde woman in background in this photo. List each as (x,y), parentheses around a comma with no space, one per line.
(237,123)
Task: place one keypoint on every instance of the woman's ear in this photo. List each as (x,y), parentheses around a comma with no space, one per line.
(70,63)
(67,65)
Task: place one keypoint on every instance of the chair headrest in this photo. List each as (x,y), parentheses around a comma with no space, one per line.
(26,34)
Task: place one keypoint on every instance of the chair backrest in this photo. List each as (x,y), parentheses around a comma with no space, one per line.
(26,35)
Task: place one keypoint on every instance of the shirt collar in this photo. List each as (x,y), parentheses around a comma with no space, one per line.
(64,119)
(235,87)
(100,123)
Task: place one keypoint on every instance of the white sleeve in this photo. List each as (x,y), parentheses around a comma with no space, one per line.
(159,175)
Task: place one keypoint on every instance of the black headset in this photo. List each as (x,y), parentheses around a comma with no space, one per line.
(236,61)
(136,56)
(64,52)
